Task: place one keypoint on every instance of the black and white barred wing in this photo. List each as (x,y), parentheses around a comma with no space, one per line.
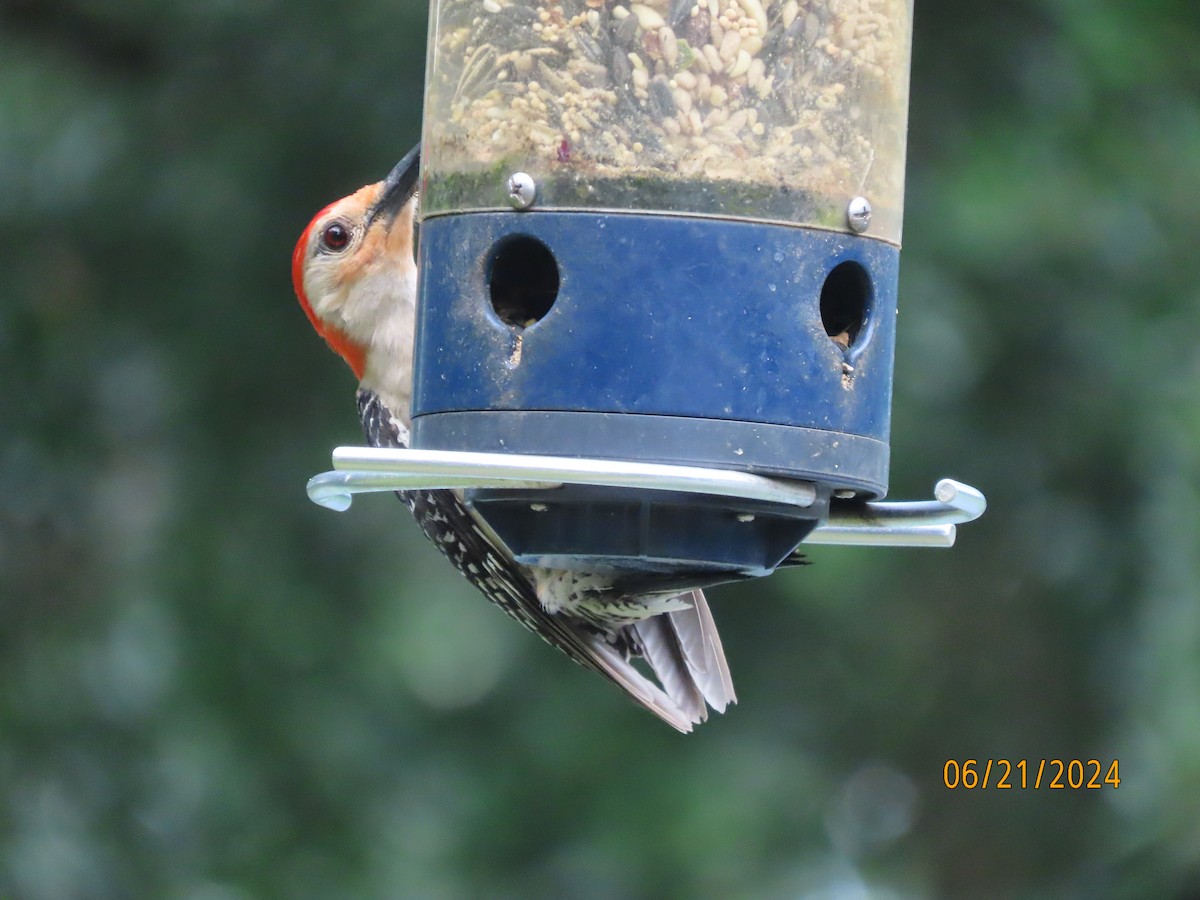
(490,567)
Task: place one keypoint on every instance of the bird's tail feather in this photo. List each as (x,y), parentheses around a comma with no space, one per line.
(638,686)
(684,651)
(700,643)
(662,650)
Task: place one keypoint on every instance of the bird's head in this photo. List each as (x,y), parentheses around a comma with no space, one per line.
(354,271)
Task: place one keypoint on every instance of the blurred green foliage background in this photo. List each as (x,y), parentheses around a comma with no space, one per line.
(212,689)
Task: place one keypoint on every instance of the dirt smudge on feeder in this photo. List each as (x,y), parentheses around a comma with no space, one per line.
(514,357)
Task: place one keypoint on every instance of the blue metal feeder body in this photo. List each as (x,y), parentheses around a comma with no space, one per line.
(686,340)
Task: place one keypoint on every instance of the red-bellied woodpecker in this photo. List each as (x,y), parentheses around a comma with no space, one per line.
(355,275)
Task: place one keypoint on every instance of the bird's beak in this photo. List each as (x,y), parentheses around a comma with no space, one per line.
(398,187)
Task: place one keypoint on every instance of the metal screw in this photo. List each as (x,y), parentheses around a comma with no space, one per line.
(858,214)
(522,190)
(538,507)
(745,517)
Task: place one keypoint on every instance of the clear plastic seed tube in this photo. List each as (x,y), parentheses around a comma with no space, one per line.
(766,110)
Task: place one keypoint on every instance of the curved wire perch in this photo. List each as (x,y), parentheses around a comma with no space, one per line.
(336,490)
(907,523)
(513,471)
(920,523)
(882,535)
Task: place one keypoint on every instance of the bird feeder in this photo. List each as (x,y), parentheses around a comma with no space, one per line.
(659,248)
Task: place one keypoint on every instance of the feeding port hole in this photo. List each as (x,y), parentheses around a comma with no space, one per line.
(522,280)
(845,300)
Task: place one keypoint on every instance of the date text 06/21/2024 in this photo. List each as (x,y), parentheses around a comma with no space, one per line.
(1024,774)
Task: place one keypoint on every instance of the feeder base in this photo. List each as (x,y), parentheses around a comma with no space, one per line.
(592,527)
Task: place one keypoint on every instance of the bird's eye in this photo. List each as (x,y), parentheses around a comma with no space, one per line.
(335,236)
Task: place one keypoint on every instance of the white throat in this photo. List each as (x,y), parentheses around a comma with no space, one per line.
(388,320)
